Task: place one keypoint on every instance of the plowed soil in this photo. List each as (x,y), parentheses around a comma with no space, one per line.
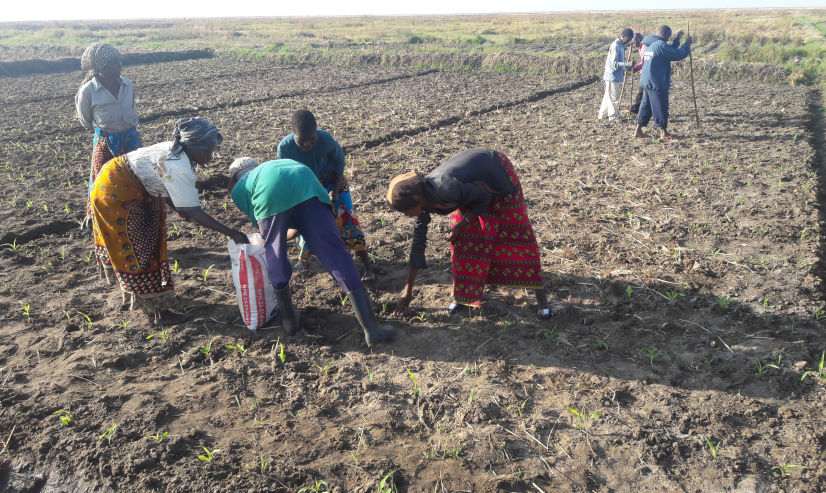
(685,277)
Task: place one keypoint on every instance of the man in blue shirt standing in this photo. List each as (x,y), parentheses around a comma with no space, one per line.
(614,74)
(317,149)
(656,78)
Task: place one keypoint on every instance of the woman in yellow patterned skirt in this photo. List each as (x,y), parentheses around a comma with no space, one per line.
(129,199)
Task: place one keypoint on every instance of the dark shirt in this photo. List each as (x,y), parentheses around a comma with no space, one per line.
(468,181)
(656,69)
(326,158)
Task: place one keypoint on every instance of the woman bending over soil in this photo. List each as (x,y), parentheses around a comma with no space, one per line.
(129,199)
(492,240)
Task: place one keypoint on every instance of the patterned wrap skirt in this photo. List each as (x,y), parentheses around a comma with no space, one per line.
(129,229)
(106,145)
(499,248)
(348,225)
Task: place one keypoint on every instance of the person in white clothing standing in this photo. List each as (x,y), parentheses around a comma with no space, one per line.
(615,68)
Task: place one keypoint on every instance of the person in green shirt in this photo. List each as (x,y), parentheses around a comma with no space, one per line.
(284,194)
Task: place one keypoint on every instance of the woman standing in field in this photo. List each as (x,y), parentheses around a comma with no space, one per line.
(105,104)
(492,240)
(128,203)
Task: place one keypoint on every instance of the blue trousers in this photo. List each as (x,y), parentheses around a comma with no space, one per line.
(316,224)
(654,103)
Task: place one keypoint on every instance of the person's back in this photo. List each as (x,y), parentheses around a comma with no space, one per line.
(656,70)
(275,186)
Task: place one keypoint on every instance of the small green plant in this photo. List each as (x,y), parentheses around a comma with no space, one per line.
(318,486)
(629,293)
(205,273)
(819,313)
(820,373)
(765,302)
(387,483)
(176,267)
(64,416)
(236,347)
(651,353)
(601,345)
(13,246)
(550,335)
(583,420)
(206,349)
(784,470)
(62,253)
(264,464)
(123,324)
(723,302)
(324,370)
(760,367)
(88,257)
(417,390)
(159,437)
(208,454)
(280,351)
(108,433)
(673,296)
(87,320)
(161,335)
(713,448)
(26,310)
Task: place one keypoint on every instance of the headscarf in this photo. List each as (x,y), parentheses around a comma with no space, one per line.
(98,56)
(402,191)
(240,167)
(195,134)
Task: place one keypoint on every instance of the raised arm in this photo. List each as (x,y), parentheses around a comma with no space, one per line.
(676,54)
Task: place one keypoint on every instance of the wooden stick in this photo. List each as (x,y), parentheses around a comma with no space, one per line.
(691,72)
(624,78)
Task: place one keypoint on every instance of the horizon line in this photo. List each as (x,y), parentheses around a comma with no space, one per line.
(454,14)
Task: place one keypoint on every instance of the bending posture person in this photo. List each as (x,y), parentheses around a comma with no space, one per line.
(492,240)
(614,74)
(656,78)
(317,149)
(105,104)
(285,194)
(129,211)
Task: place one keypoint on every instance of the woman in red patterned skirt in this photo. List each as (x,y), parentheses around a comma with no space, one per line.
(492,240)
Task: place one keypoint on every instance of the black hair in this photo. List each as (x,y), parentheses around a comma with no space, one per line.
(303,122)
(407,194)
(664,31)
(627,33)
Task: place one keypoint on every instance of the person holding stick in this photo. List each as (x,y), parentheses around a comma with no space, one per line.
(637,68)
(614,75)
(656,78)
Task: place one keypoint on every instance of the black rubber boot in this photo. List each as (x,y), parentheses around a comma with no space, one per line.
(289,316)
(374,332)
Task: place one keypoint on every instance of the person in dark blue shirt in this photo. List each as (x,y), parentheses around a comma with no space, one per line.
(656,78)
(317,149)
